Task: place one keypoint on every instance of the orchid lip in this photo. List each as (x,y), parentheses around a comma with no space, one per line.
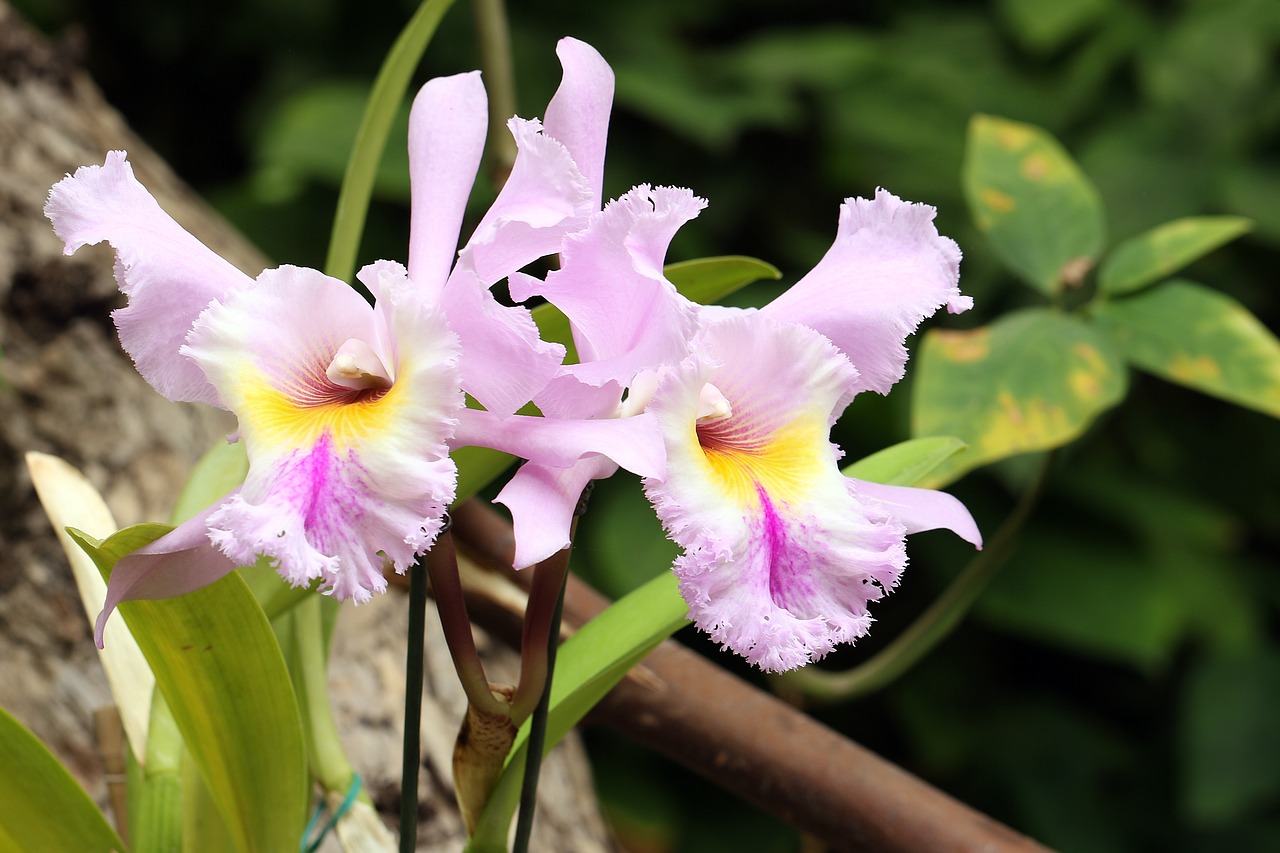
(356,366)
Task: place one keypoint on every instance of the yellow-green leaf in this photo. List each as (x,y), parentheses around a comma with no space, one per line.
(223,467)
(220,669)
(907,463)
(385,100)
(43,809)
(1166,249)
(706,280)
(1199,338)
(1042,215)
(1033,380)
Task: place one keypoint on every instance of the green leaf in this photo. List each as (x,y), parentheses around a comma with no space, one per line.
(155,793)
(907,463)
(1033,380)
(1199,338)
(223,467)
(1166,249)
(312,134)
(1104,599)
(160,811)
(624,545)
(203,829)
(706,280)
(44,809)
(478,467)
(1231,736)
(220,669)
(1043,27)
(1042,215)
(588,665)
(385,101)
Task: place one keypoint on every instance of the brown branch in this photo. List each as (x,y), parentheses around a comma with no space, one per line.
(751,743)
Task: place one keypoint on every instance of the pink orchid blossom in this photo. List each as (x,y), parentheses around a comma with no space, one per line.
(347,410)
(627,328)
(782,553)
(624,332)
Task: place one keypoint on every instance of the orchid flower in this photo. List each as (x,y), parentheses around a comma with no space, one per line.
(782,553)
(347,410)
(623,331)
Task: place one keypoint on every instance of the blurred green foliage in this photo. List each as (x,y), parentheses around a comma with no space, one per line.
(1118,688)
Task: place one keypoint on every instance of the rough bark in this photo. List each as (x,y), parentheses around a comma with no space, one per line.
(67,389)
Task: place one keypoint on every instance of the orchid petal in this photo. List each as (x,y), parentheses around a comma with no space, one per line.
(504,360)
(447,126)
(567,397)
(542,501)
(578,115)
(168,275)
(886,272)
(919,510)
(544,196)
(340,480)
(181,561)
(781,558)
(633,443)
(625,315)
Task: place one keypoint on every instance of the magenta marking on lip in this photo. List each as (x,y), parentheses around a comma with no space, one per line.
(787,585)
(316,476)
(330,503)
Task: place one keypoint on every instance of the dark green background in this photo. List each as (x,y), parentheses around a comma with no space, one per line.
(1118,688)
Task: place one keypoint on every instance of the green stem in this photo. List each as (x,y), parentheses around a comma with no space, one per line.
(328,761)
(494,36)
(538,729)
(538,666)
(446,587)
(932,626)
(385,98)
(411,754)
(156,801)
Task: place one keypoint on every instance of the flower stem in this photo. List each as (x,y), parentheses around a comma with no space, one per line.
(537,644)
(413,708)
(538,729)
(446,587)
(538,665)
(932,626)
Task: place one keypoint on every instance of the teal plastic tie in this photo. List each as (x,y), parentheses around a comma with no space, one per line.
(353,791)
